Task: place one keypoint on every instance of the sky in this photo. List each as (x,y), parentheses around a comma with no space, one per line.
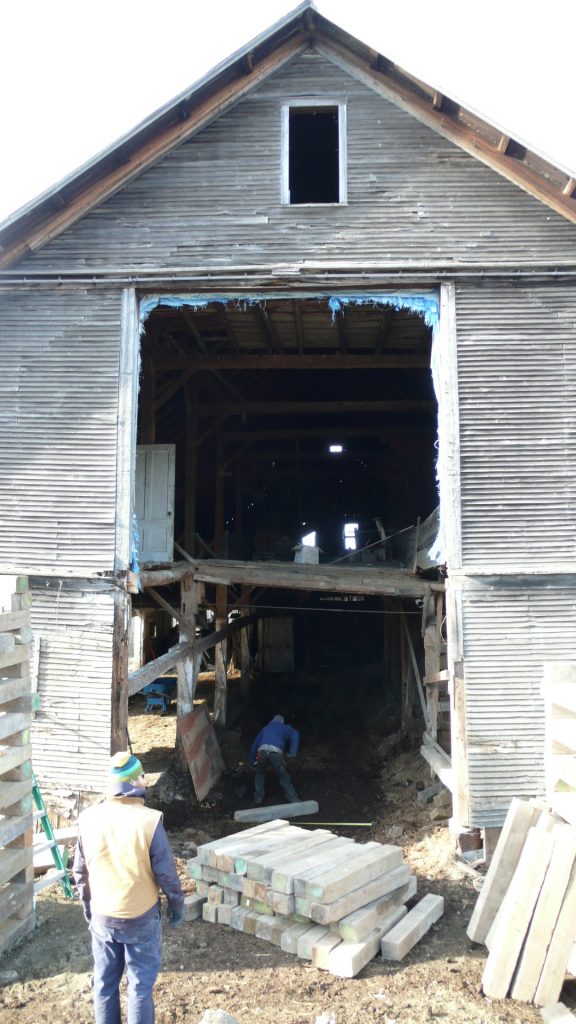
(75,76)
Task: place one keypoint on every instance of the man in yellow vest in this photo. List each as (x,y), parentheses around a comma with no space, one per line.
(122,860)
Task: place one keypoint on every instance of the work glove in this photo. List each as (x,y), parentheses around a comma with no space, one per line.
(175,916)
(87,912)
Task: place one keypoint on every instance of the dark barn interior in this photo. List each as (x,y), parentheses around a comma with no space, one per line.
(292,420)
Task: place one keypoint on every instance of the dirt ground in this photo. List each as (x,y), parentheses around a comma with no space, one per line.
(208,966)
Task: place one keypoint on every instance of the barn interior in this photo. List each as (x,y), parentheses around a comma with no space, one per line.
(305,436)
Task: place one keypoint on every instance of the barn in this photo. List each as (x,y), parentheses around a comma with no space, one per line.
(291,367)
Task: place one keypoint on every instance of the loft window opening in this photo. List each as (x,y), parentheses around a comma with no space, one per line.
(350,536)
(314,154)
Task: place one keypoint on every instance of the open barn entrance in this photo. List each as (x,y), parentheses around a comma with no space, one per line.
(287,446)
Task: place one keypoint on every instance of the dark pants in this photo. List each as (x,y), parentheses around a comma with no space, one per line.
(275,760)
(136,947)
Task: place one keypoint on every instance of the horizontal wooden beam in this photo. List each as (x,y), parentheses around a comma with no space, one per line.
(313,408)
(340,433)
(334,578)
(267,361)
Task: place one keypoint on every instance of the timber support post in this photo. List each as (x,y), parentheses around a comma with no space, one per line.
(220,675)
(119,723)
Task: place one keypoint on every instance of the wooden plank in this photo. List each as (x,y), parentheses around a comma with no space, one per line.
(12,689)
(404,936)
(323,947)
(349,958)
(318,361)
(201,750)
(321,864)
(260,869)
(13,827)
(12,861)
(557,1013)
(521,816)
(203,851)
(304,807)
(14,621)
(510,927)
(365,867)
(13,757)
(330,913)
(559,950)
(545,915)
(17,899)
(12,793)
(148,673)
(356,926)
(291,937)
(308,939)
(16,657)
(323,850)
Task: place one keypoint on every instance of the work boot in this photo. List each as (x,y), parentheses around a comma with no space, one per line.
(258,800)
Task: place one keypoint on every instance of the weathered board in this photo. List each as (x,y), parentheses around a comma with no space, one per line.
(201,749)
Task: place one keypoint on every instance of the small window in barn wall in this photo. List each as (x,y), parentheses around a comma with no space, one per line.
(314,153)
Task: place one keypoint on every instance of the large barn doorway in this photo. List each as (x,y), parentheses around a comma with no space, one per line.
(304,431)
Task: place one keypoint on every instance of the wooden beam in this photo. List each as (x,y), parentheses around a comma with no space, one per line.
(191,465)
(269,331)
(313,408)
(120,685)
(148,673)
(291,361)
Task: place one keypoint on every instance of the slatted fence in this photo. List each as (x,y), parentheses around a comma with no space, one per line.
(16,816)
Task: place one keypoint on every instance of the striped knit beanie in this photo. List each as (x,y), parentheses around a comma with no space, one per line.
(125,766)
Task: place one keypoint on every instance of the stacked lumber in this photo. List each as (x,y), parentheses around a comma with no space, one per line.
(317,895)
(526,911)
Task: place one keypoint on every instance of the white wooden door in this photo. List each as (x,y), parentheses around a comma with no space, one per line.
(155,476)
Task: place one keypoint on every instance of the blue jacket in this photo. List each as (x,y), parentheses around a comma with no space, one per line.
(277,734)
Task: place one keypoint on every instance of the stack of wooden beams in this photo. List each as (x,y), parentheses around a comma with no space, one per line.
(526,911)
(320,896)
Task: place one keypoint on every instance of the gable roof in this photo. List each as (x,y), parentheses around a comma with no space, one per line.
(49,214)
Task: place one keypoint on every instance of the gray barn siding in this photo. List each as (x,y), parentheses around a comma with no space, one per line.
(71,729)
(510,628)
(59,355)
(517,392)
(413,197)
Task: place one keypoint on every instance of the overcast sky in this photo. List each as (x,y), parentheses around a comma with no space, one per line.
(74,75)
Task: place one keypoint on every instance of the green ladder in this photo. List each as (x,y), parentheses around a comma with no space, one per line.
(61,874)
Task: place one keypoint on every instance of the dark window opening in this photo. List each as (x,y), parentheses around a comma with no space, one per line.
(313,175)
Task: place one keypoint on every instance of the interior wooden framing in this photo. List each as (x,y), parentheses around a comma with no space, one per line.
(224,382)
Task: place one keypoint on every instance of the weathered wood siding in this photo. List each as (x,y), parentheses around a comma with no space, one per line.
(516,350)
(71,729)
(510,628)
(59,354)
(413,197)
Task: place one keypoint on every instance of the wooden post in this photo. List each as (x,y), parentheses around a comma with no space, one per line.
(119,724)
(219,498)
(239,510)
(147,410)
(188,669)
(407,679)
(245,656)
(220,677)
(191,450)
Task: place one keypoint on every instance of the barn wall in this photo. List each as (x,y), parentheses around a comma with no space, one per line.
(71,729)
(517,390)
(516,354)
(215,200)
(58,431)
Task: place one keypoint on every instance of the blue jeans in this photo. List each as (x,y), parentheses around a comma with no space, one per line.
(136,947)
(275,760)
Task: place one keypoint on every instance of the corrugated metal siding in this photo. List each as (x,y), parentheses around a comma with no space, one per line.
(509,631)
(59,354)
(517,390)
(215,201)
(71,730)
